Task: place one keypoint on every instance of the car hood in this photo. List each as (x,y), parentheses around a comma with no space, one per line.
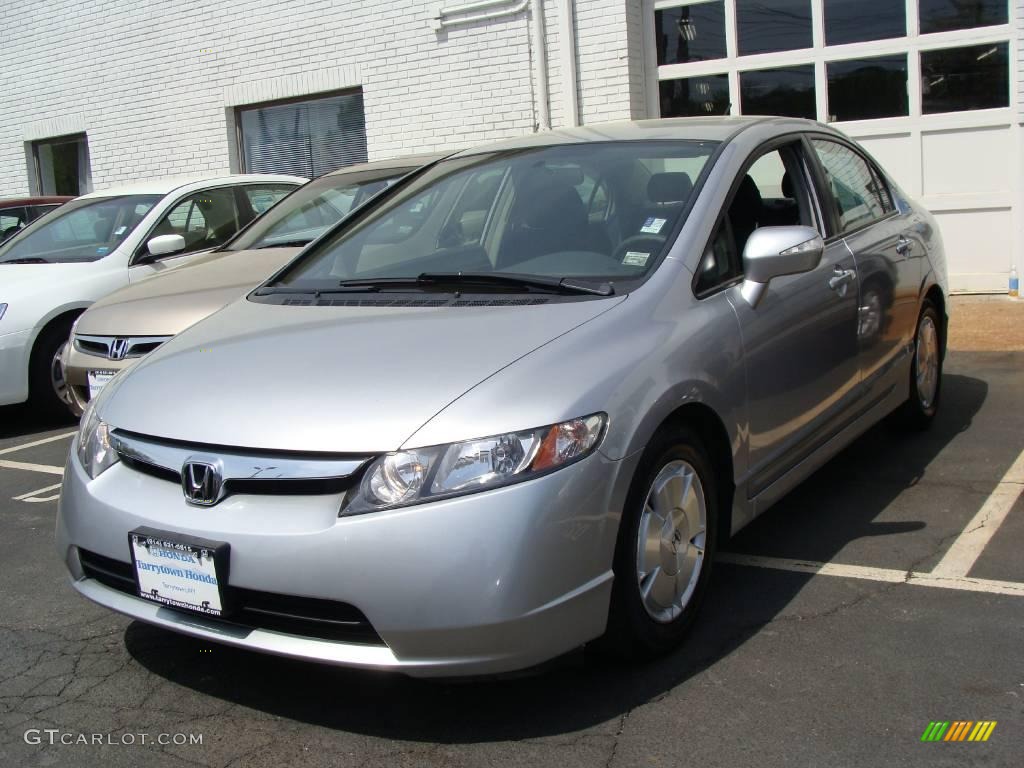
(357,379)
(167,304)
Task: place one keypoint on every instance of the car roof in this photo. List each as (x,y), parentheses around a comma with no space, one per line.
(406,161)
(15,202)
(168,185)
(671,128)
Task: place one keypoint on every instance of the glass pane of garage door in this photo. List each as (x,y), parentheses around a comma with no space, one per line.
(306,138)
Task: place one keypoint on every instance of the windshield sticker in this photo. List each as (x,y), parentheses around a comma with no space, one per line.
(102,250)
(652,226)
(635,259)
(120,230)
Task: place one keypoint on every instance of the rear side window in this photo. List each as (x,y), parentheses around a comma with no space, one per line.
(261,197)
(859,195)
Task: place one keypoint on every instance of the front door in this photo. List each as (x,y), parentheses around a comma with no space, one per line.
(800,341)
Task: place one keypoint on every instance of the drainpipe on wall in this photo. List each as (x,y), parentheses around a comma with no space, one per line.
(567,34)
(540,67)
(496,9)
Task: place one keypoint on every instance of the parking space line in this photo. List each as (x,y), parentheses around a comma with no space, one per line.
(961,556)
(34,443)
(32,497)
(47,468)
(890,575)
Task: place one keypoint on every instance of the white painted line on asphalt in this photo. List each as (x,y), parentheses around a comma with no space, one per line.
(890,575)
(47,468)
(961,556)
(32,497)
(34,443)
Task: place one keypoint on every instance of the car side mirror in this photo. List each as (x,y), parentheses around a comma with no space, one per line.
(165,244)
(772,252)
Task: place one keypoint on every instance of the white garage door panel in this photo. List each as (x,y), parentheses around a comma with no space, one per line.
(895,153)
(978,244)
(964,162)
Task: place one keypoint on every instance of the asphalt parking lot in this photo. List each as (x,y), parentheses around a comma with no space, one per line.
(885,593)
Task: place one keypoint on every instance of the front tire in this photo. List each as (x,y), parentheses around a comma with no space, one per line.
(919,410)
(666,543)
(48,391)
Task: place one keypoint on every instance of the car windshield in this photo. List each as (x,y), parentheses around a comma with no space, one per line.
(309,211)
(597,210)
(81,230)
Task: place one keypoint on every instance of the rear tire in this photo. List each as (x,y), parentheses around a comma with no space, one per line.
(918,412)
(48,393)
(665,547)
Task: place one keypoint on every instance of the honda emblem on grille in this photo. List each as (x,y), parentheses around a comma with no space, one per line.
(118,349)
(202,483)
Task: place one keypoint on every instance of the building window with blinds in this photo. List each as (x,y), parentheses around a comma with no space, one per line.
(305,138)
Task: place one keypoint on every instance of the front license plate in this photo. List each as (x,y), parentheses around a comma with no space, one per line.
(180,571)
(97,380)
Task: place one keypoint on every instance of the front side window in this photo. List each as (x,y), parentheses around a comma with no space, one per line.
(521,212)
(86,229)
(314,208)
(860,197)
(772,193)
(205,219)
(11,220)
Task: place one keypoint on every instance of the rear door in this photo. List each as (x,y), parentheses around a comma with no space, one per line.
(800,341)
(888,257)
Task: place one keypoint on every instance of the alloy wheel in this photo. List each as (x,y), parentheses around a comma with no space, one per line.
(671,541)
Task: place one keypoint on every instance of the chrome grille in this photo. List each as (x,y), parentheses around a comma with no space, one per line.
(118,347)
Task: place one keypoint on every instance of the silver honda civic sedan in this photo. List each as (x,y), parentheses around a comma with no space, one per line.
(512,406)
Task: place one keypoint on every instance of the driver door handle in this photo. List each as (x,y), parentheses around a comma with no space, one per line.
(904,246)
(840,278)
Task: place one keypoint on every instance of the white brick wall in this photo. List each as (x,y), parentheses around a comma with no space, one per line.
(152,81)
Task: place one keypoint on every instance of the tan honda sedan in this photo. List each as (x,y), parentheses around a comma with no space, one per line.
(128,324)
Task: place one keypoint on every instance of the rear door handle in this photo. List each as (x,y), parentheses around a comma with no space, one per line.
(904,246)
(840,278)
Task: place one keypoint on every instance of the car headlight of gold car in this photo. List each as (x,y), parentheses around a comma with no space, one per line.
(94,447)
(426,474)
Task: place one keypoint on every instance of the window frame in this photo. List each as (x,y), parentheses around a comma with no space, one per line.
(823,222)
(238,110)
(141,254)
(837,232)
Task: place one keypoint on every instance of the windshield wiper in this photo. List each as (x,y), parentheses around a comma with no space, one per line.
(285,244)
(26,260)
(556,284)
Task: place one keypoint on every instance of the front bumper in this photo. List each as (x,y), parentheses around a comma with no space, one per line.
(77,365)
(14,352)
(481,584)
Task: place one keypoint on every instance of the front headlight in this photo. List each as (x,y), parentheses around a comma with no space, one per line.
(425,474)
(94,449)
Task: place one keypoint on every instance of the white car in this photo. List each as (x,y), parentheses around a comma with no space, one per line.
(60,264)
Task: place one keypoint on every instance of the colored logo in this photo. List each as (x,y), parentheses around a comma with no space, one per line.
(959,730)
